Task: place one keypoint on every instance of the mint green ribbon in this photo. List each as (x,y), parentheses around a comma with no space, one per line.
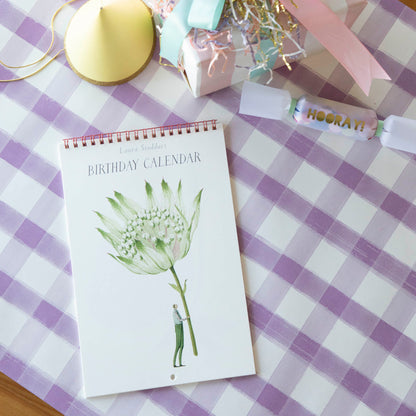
(175,29)
(265,45)
(205,14)
(202,14)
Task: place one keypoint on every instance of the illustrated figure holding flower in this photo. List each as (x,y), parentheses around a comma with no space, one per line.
(178,321)
(150,240)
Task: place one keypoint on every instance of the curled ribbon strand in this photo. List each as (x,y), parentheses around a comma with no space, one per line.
(43,56)
(258,21)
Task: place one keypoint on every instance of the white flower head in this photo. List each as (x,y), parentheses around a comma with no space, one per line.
(150,240)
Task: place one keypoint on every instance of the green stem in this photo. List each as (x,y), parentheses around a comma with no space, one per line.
(185,306)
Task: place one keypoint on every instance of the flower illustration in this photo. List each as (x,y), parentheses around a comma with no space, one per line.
(150,240)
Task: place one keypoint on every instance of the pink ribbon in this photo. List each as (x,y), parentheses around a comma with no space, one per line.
(332,33)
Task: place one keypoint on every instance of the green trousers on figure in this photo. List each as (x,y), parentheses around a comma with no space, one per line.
(179,343)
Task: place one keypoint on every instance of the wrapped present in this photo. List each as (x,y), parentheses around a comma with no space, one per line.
(210,60)
(242,39)
(206,69)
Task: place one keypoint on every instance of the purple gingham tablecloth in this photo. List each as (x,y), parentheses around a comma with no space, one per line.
(326,229)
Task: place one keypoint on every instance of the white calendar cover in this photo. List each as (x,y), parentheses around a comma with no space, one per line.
(154,252)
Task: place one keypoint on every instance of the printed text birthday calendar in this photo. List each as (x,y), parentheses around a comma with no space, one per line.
(155,259)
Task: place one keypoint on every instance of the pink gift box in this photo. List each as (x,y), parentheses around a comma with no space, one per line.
(205,70)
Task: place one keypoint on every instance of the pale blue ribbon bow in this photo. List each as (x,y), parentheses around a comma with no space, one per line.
(202,14)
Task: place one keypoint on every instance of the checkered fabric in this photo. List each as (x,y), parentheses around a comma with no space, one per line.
(327,230)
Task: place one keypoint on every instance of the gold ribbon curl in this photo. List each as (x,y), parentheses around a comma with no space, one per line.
(52,29)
